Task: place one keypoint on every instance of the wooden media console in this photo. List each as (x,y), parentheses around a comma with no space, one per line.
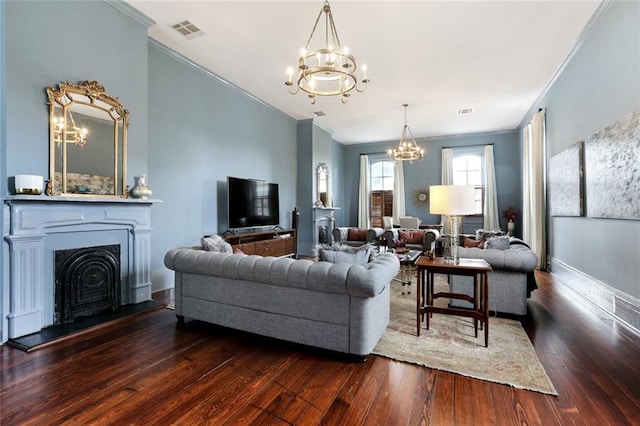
(265,243)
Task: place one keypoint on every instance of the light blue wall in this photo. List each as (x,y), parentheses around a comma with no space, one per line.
(420,174)
(337,179)
(598,86)
(102,44)
(201,131)
(314,147)
(304,195)
(4,290)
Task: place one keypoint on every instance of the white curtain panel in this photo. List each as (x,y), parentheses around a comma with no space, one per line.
(398,191)
(363,194)
(447,166)
(491,215)
(533,203)
(446,179)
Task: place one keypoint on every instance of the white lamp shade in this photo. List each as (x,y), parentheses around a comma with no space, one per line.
(458,200)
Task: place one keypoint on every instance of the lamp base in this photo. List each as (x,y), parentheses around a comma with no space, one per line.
(454,226)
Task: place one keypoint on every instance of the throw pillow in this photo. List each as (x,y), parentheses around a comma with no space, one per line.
(470,243)
(346,254)
(483,234)
(497,243)
(357,234)
(215,243)
(411,236)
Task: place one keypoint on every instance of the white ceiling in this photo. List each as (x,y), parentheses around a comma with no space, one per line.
(437,56)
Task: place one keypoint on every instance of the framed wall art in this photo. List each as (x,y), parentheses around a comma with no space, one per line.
(566,182)
(612,170)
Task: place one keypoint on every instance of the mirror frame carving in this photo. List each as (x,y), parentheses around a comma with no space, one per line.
(322,169)
(64,96)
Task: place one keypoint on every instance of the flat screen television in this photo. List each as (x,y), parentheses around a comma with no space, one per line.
(252,203)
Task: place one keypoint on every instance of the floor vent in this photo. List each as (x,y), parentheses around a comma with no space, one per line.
(188,29)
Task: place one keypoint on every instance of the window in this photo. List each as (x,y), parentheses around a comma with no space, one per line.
(381,191)
(467,170)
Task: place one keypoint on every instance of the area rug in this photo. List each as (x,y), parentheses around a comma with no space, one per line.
(450,345)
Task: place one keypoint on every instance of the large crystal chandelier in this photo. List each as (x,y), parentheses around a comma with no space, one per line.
(408,149)
(329,70)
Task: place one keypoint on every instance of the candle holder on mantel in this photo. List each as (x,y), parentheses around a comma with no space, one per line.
(141,190)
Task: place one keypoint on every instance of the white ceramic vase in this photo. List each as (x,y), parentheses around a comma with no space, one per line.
(510,227)
(141,190)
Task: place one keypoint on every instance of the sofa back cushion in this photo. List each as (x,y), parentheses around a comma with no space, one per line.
(411,236)
(357,234)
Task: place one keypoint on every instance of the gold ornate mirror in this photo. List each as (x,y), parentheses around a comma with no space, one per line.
(87,141)
(322,199)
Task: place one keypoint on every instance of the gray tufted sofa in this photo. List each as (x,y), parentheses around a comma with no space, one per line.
(340,307)
(510,282)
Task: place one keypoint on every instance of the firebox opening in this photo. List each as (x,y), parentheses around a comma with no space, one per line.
(87,282)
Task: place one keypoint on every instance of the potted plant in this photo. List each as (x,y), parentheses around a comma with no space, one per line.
(511,214)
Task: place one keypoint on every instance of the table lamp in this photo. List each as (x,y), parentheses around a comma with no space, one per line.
(452,201)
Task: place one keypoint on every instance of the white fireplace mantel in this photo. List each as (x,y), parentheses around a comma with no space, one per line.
(35,226)
(323,216)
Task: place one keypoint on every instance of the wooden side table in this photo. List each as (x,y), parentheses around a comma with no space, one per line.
(477,268)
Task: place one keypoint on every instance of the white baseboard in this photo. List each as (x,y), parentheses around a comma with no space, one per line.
(618,304)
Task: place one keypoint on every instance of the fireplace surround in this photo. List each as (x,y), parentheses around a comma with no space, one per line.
(35,227)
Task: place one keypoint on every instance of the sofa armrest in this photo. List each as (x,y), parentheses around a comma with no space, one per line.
(340,234)
(429,239)
(390,235)
(374,234)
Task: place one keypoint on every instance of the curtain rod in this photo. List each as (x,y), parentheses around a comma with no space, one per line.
(373,153)
(467,146)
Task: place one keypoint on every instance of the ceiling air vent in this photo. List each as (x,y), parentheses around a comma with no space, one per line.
(188,29)
(465,111)
(318,114)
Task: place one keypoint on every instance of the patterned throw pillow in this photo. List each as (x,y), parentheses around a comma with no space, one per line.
(411,236)
(357,234)
(483,234)
(497,243)
(470,243)
(215,243)
(338,253)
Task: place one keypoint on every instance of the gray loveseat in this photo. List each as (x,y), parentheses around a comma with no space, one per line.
(340,307)
(356,236)
(425,242)
(510,282)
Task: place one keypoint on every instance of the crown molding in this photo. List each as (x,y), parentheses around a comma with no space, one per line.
(132,12)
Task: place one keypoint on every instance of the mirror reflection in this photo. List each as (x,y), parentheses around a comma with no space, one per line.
(88,141)
(322,199)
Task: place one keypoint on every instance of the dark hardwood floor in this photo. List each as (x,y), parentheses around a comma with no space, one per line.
(151,371)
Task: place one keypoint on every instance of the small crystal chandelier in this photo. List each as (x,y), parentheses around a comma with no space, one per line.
(328,71)
(69,134)
(408,149)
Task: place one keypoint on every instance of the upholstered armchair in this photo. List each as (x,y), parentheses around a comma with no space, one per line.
(356,236)
(409,222)
(414,239)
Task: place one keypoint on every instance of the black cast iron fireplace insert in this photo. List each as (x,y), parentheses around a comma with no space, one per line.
(87,282)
